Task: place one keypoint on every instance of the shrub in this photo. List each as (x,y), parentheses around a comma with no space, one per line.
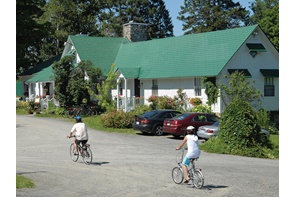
(117,119)
(240,131)
(263,118)
(139,110)
(166,102)
(195,101)
(202,108)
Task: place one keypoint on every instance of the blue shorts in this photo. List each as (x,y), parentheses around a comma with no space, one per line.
(186,161)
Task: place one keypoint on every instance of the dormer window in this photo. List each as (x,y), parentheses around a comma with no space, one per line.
(255,48)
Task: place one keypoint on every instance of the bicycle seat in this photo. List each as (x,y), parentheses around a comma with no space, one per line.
(194,159)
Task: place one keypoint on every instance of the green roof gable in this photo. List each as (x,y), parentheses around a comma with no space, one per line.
(101,51)
(41,66)
(202,54)
(43,76)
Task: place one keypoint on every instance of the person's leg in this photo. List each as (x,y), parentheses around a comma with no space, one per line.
(185,164)
(76,147)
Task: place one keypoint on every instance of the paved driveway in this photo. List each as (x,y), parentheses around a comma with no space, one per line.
(128,165)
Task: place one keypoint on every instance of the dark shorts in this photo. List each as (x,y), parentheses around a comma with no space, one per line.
(83,142)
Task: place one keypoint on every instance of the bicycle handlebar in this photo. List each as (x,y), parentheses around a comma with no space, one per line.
(71,136)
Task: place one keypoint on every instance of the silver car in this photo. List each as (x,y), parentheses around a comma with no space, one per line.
(208,131)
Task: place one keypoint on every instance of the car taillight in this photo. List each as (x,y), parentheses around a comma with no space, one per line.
(172,123)
(144,121)
(209,131)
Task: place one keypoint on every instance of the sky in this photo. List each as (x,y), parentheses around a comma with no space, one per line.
(174,7)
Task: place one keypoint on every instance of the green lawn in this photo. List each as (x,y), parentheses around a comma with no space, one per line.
(23,182)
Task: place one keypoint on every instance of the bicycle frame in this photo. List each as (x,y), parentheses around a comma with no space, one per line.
(85,154)
(194,173)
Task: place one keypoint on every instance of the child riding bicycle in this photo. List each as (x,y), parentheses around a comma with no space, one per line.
(80,131)
(193,150)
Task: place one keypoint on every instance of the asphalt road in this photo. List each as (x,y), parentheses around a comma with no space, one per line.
(128,165)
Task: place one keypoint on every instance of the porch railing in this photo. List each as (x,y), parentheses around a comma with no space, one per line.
(132,102)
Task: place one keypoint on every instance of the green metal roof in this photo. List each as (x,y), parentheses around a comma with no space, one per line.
(101,51)
(202,54)
(256,47)
(130,72)
(43,76)
(41,66)
(270,72)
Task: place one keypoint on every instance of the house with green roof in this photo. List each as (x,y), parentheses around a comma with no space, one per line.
(37,80)
(161,67)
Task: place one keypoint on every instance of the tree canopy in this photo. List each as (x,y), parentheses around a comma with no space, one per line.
(43,26)
(211,15)
(266,15)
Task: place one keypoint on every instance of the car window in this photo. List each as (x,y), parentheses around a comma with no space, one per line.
(149,114)
(175,113)
(200,118)
(216,123)
(212,118)
(181,116)
(166,115)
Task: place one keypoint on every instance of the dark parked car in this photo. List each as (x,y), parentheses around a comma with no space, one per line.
(152,121)
(177,125)
(208,131)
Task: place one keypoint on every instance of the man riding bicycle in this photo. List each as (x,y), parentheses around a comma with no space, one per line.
(80,131)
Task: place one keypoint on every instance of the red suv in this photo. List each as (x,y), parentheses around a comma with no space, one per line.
(177,125)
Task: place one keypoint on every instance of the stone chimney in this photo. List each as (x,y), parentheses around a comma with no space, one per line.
(135,32)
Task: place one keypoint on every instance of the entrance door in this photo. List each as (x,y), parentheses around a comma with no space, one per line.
(136,88)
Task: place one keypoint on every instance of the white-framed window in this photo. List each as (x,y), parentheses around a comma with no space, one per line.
(269,87)
(154,87)
(198,86)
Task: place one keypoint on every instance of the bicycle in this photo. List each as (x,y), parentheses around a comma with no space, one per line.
(83,151)
(70,112)
(86,110)
(195,174)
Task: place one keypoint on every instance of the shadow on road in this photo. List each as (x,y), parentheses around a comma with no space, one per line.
(210,187)
(21,173)
(99,163)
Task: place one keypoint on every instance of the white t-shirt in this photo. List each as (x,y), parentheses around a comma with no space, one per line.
(193,150)
(80,130)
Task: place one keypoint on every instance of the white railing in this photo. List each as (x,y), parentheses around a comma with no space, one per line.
(132,102)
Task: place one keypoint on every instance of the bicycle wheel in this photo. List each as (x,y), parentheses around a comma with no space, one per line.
(87,155)
(177,175)
(93,112)
(198,178)
(72,153)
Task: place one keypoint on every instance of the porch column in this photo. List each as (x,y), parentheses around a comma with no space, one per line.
(125,80)
(118,94)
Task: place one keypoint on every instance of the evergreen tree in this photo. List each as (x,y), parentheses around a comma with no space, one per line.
(68,17)
(28,33)
(61,71)
(211,15)
(266,15)
(115,13)
(81,77)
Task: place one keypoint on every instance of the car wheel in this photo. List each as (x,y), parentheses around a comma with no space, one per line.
(158,130)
